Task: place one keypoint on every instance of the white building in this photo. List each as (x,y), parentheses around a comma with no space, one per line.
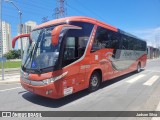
(6,36)
(157,39)
(27,28)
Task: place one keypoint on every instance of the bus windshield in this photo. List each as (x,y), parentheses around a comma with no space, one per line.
(40,53)
(42,56)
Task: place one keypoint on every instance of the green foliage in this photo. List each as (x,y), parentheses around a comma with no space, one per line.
(13,54)
(11,64)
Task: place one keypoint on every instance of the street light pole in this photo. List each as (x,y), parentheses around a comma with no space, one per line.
(21,33)
(1,39)
(20,20)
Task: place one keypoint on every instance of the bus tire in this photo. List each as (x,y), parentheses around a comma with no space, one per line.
(94,81)
(138,67)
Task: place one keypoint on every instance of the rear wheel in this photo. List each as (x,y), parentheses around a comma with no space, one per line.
(94,81)
(138,68)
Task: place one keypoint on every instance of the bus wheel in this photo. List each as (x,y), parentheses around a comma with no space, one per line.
(138,68)
(94,81)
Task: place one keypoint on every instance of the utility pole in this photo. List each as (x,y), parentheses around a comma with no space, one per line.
(20,22)
(60,10)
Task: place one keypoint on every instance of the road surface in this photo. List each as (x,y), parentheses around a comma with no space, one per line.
(131,92)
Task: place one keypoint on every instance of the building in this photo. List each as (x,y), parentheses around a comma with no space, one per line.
(26,28)
(157,39)
(6,37)
(153,52)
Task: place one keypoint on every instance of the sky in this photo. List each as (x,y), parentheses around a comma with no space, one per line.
(138,17)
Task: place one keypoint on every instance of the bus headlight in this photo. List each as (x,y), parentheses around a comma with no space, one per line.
(51,80)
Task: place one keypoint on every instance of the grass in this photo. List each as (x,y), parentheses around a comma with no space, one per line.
(11,64)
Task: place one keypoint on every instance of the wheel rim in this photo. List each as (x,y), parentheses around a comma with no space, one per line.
(94,81)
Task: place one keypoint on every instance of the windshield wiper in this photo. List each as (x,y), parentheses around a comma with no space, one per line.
(39,70)
(30,55)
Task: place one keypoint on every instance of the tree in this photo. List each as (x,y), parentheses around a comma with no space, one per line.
(13,54)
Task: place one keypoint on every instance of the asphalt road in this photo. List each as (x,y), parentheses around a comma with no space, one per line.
(131,92)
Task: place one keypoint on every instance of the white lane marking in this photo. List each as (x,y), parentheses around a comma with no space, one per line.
(155,118)
(152,70)
(151,80)
(135,78)
(10,89)
(157,109)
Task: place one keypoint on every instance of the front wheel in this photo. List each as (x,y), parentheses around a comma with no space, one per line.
(94,81)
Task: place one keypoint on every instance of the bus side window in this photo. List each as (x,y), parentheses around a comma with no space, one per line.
(82,43)
(101,39)
(131,43)
(124,42)
(70,48)
(114,41)
(75,42)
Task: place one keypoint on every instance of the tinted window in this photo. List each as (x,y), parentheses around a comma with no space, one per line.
(86,28)
(114,40)
(130,43)
(76,42)
(105,38)
(144,45)
(125,42)
(101,39)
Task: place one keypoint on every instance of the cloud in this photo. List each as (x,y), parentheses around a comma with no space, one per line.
(151,35)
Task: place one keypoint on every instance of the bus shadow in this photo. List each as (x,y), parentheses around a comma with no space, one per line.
(53,103)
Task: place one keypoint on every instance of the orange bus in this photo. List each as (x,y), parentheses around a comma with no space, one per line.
(67,55)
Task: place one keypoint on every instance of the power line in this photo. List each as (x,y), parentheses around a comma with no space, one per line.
(28,9)
(60,11)
(76,9)
(29,12)
(35,5)
(45,19)
(91,11)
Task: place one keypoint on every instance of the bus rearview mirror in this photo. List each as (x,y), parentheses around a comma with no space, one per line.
(57,31)
(17,37)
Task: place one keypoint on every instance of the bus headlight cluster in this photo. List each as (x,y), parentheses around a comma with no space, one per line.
(51,80)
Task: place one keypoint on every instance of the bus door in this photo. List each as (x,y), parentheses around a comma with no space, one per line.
(73,55)
(74,52)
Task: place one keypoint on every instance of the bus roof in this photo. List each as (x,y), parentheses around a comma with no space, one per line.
(84,19)
(77,18)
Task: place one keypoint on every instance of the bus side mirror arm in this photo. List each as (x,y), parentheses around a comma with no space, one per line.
(17,37)
(57,31)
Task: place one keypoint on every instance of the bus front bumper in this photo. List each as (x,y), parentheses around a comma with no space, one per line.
(43,90)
